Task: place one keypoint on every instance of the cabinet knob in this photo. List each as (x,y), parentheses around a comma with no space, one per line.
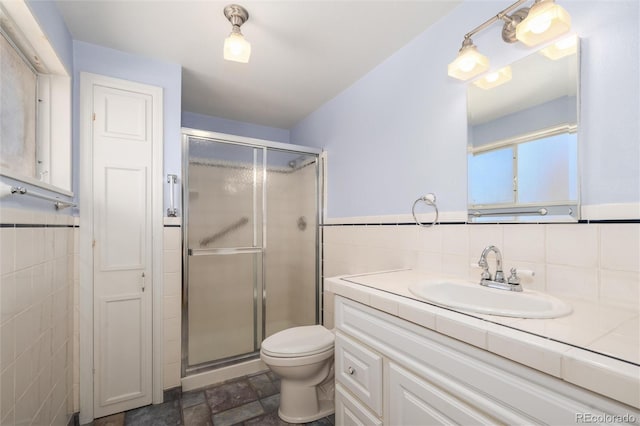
(351,371)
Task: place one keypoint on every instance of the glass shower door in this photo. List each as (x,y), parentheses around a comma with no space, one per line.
(251,237)
(224,239)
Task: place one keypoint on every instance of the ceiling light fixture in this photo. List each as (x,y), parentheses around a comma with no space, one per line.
(236,48)
(544,21)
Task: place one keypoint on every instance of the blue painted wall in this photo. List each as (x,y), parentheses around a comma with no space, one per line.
(239,128)
(113,63)
(401,130)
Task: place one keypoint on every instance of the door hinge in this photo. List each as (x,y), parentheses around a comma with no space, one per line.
(94,116)
(93,244)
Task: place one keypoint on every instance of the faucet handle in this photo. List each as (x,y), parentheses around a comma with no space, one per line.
(513,278)
(482,263)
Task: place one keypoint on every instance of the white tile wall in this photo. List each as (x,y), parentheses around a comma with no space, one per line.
(620,247)
(36,318)
(76,318)
(592,262)
(172,296)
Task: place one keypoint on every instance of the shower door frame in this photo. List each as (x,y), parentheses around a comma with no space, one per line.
(265,145)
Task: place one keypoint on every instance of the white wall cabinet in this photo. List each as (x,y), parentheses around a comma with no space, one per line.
(393,372)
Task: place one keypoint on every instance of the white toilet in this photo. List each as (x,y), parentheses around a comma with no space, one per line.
(302,357)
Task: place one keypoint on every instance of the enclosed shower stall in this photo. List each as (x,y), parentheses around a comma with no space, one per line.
(251,245)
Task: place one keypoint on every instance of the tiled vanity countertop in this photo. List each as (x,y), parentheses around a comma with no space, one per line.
(595,347)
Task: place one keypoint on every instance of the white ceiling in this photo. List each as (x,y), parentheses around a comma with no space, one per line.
(304,52)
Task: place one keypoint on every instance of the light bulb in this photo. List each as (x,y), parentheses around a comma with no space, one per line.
(236,48)
(558,50)
(546,21)
(468,63)
(492,77)
(235,45)
(540,24)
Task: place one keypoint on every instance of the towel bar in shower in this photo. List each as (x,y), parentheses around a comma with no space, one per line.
(224,251)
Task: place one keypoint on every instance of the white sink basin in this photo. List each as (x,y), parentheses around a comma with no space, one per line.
(473,297)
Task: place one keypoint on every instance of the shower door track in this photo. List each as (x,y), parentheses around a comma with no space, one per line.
(219,363)
(186,369)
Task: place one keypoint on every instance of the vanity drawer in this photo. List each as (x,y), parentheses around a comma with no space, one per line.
(349,411)
(359,369)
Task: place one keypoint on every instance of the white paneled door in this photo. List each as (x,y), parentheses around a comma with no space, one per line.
(122,257)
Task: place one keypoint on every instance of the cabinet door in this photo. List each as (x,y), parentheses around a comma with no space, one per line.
(349,412)
(359,370)
(123,199)
(416,401)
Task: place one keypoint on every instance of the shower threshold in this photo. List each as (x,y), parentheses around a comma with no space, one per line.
(221,363)
(219,372)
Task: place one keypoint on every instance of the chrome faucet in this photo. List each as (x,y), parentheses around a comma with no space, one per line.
(512,283)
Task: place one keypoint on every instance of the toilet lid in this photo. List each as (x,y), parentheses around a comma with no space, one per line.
(298,341)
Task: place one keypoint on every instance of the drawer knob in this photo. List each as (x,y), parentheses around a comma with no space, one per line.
(351,371)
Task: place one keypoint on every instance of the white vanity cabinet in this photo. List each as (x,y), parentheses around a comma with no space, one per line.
(393,372)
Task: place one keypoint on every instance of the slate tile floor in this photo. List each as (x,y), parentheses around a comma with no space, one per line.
(248,401)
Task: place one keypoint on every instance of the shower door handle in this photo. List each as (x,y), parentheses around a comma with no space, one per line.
(223,251)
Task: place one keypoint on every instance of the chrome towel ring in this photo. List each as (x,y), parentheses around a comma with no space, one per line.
(429,199)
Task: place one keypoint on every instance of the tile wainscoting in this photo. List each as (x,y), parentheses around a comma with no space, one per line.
(38,293)
(39,322)
(172,303)
(596,262)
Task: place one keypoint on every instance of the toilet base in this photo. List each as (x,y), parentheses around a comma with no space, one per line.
(326,409)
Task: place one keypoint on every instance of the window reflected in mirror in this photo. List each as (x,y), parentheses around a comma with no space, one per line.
(522,139)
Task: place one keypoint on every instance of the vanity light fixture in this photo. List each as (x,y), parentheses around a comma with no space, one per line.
(236,48)
(494,78)
(469,62)
(561,48)
(544,21)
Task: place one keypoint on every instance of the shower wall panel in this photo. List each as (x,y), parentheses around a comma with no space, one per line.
(290,255)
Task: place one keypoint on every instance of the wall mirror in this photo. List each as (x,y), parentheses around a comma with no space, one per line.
(522,139)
